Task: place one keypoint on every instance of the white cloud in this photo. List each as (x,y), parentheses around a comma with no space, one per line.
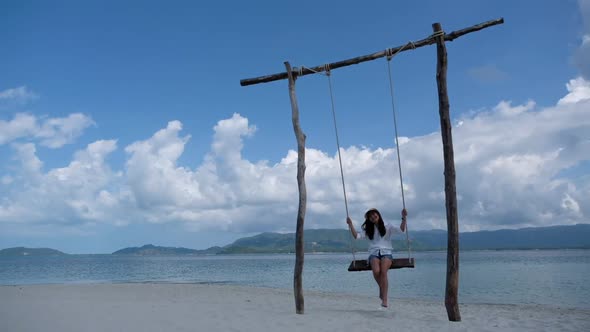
(22,125)
(578,90)
(50,132)
(570,204)
(215,195)
(19,95)
(70,196)
(509,160)
(57,132)
(154,178)
(31,165)
(506,108)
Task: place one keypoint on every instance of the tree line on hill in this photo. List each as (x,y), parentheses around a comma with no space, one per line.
(339,240)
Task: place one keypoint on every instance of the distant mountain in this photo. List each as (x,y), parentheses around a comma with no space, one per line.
(151,250)
(570,237)
(318,240)
(339,240)
(22,251)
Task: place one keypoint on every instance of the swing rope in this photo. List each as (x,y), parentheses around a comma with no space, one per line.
(399,164)
(328,73)
(329,76)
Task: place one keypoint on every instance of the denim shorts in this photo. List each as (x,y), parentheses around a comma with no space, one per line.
(379,256)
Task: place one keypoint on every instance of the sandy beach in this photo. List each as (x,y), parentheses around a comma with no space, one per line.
(197,307)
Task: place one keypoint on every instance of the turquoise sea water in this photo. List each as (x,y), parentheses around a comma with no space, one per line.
(548,277)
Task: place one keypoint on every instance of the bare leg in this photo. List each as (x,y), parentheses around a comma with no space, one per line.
(383,281)
(376,268)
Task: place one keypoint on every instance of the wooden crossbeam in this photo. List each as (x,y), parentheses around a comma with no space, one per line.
(353,61)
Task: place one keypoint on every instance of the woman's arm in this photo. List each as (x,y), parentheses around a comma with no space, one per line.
(403,225)
(351,226)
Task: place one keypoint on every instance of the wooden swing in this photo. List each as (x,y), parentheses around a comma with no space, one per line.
(397,263)
(363,264)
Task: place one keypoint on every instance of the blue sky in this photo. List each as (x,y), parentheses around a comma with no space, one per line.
(124,123)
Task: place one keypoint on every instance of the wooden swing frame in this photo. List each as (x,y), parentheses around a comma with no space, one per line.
(439,37)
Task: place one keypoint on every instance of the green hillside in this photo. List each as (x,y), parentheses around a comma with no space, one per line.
(22,251)
(339,240)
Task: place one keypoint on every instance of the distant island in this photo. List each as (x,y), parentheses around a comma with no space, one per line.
(339,240)
(22,251)
(151,250)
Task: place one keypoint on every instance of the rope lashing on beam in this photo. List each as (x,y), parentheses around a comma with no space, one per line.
(390,54)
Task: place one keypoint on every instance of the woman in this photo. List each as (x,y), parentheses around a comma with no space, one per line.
(380,249)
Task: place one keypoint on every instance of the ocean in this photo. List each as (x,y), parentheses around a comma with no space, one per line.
(544,277)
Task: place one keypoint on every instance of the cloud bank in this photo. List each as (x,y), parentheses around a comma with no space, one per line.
(517,166)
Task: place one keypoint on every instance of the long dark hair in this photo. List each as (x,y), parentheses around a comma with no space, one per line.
(369,227)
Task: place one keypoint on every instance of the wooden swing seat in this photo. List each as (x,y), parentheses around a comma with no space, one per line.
(397,263)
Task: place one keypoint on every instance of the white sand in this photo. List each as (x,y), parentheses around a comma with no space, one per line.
(189,307)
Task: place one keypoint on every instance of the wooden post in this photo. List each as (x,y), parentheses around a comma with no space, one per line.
(299,254)
(452,287)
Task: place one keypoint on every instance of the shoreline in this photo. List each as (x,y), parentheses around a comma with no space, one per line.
(289,290)
(441,250)
(160,306)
